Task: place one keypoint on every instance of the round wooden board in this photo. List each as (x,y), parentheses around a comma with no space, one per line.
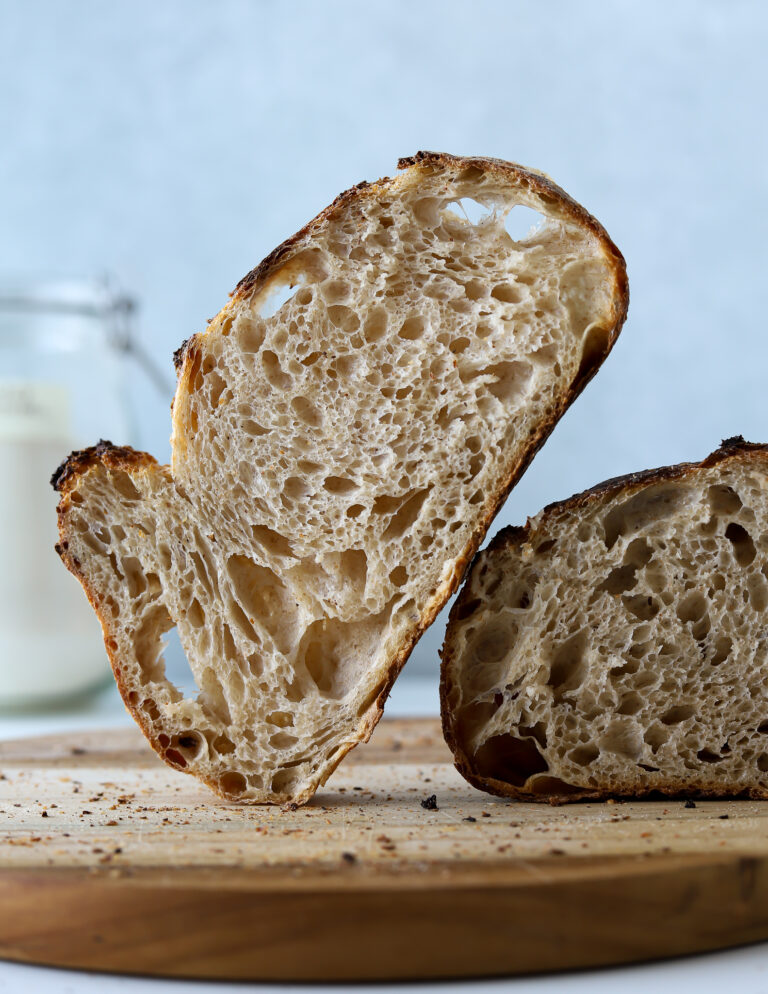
(111,861)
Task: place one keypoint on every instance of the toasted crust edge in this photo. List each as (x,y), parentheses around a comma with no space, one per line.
(124,457)
(516,535)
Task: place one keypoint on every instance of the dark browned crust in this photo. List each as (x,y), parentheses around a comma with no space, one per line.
(178,355)
(105,453)
(279,261)
(516,536)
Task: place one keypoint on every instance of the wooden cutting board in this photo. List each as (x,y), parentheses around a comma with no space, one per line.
(111,861)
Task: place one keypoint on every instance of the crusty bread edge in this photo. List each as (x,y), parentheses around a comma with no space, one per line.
(257,282)
(516,536)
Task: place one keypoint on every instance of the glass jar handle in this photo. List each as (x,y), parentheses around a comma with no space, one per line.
(123,339)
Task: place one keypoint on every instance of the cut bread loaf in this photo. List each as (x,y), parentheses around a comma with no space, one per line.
(337,457)
(617,645)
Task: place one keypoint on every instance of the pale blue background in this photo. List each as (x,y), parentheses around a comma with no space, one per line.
(175,143)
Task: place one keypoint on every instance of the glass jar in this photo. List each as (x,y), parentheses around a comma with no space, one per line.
(62,351)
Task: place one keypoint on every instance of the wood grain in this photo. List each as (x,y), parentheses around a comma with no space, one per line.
(111,861)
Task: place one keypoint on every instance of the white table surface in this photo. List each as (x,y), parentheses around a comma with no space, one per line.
(744,970)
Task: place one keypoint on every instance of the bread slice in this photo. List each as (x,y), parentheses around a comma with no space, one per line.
(337,459)
(617,645)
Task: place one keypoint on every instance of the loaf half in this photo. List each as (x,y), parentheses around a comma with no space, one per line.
(617,645)
(343,433)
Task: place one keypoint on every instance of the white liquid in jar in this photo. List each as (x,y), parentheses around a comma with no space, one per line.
(50,640)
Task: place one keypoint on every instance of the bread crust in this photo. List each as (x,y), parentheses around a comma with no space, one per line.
(277,264)
(516,536)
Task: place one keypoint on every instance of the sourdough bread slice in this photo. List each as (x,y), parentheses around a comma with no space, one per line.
(617,644)
(337,459)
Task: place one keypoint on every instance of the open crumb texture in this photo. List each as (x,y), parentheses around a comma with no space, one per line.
(343,433)
(617,643)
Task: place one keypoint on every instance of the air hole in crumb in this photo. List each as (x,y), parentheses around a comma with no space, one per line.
(762,762)
(150,709)
(469,209)
(681,712)
(522,222)
(758,591)
(723,646)
(283,719)
(335,290)
(125,486)
(619,580)
(692,606)
(413,328)
(273,371)
(275,297)
(217,385)
(306,411)
(375,325)
(595,347)
(271,542)
(507,293)
(638,553)
(233,783)
(656,735)
(641,606)
(399,576)
(308,466)
(250,334)
(707,756)
(339,485)
(630,703)
(544,547)
(475,290)
(622,737)
(406,515)
(343,318)
(253,428)
(472,174)
(743,546)
(642,510)
(353,564)
(283,740)
(295,488)
(223,745)
(569,666)
(355,510)
(474,443)
(264,596)
(509,759)
(304,296)
(585,754)
(476,463)
(554,787)
(195,614)
(333,652)
(175,757)
(492,643)
(723,499)
(282,781)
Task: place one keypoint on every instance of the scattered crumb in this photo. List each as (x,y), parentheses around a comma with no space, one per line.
(689,804)
(430,803)
(469,818)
